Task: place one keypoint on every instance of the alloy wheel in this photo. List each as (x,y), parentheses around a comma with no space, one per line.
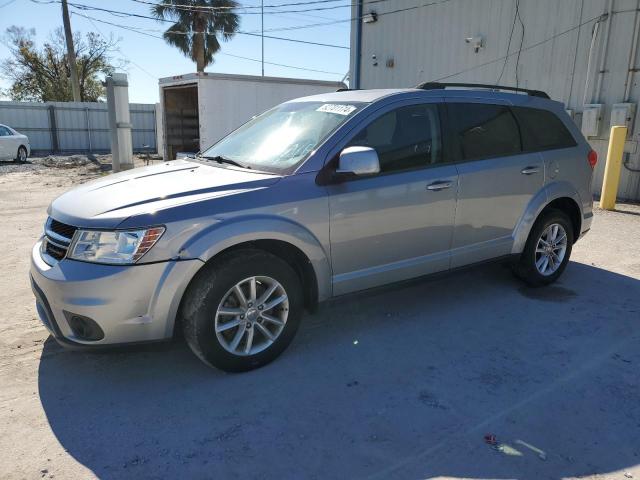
(551,249)
(251,315)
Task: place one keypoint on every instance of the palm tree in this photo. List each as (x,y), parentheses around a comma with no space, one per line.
(198,25)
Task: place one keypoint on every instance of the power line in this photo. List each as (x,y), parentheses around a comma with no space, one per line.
(281,64)
(521,41)
(353,19)
(121,52)
(7,4)
(356,19)
(513,26)
(147,17)
(202,8)
(534,45)
(134,30)
(205,8)
(242,7)
(530,47)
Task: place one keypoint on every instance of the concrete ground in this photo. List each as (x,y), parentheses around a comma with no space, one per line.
(397,383)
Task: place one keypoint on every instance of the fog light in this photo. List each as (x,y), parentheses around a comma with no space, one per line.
(84,328)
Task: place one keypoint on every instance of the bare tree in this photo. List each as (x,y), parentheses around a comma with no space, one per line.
(44,74)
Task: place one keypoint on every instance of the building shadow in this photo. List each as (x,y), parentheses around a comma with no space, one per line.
(402,382)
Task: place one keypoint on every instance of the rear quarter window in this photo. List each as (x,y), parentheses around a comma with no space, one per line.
(542,130)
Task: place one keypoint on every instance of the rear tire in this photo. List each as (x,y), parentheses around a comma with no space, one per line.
(547,251)
(231,320)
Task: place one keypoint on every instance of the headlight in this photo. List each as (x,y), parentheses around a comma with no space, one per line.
(116,247)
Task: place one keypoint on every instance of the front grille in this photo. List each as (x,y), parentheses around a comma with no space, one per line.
(54,251)
(61,229)
(57,239)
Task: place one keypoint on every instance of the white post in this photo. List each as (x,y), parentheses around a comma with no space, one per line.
(119,121)
(160,143)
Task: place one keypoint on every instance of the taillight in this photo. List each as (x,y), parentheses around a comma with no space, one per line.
(592,158)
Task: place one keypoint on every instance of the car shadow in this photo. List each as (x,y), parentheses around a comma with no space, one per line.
(403,382)
(15,162)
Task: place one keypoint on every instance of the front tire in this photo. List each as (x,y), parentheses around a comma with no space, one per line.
(22,154)
(547,251)
(242,310)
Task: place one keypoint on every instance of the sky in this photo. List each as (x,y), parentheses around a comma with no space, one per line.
(151,58)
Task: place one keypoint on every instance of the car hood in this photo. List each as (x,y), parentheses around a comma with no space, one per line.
(108,201)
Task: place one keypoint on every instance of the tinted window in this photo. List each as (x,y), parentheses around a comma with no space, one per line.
(406,138)
(484,130)
(5,132)
(542,130)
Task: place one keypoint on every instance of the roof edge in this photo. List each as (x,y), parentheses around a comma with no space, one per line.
(247,78)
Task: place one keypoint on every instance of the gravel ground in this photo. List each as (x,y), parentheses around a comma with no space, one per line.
(81,164)
(402,382)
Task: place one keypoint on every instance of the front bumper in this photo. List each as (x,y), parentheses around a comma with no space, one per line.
(130,304)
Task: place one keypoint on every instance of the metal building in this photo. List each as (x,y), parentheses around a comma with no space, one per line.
(581,52)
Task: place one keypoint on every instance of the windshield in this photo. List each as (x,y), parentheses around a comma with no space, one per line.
(282,137)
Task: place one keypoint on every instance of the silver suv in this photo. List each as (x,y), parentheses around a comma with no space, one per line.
(318,197)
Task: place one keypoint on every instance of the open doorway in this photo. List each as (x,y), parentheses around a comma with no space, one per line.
(181,119)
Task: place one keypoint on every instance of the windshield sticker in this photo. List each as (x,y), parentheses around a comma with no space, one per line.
(335,108)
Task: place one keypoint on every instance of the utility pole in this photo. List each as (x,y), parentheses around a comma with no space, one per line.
(71,53)
(262,24)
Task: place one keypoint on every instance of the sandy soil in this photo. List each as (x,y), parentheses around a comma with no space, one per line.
(402,382)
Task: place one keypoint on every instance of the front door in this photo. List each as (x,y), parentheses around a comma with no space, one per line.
(5,143)
(397,224)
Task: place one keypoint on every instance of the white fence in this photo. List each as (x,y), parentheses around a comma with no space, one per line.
(76,126)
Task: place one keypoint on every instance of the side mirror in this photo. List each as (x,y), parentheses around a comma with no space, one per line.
(358,161)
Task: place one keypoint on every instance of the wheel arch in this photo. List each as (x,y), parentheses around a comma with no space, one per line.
(291,254)
(286,251)
(559,195)
(294,244)
(570,207)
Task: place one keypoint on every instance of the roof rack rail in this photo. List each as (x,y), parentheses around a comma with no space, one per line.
(442,86)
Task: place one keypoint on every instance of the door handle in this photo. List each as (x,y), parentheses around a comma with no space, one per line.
(436,186)
(529,170)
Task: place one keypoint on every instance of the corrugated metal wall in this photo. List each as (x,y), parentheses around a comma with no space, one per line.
(76,126)
(427,43)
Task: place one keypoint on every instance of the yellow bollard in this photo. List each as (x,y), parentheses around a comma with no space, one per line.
(612,168)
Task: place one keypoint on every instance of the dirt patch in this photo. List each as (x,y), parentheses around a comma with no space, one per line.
(85,163)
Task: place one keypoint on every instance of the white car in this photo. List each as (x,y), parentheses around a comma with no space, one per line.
(13,145)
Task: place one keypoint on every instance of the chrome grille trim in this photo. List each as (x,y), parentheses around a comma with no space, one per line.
(59,243)
(58,238)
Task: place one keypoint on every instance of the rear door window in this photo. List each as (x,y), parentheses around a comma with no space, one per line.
(542,130)
(483,130)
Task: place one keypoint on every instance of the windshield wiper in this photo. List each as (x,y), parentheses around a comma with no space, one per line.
(221,159)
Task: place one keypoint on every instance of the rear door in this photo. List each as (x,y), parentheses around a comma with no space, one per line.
(397,224)
(497,180)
